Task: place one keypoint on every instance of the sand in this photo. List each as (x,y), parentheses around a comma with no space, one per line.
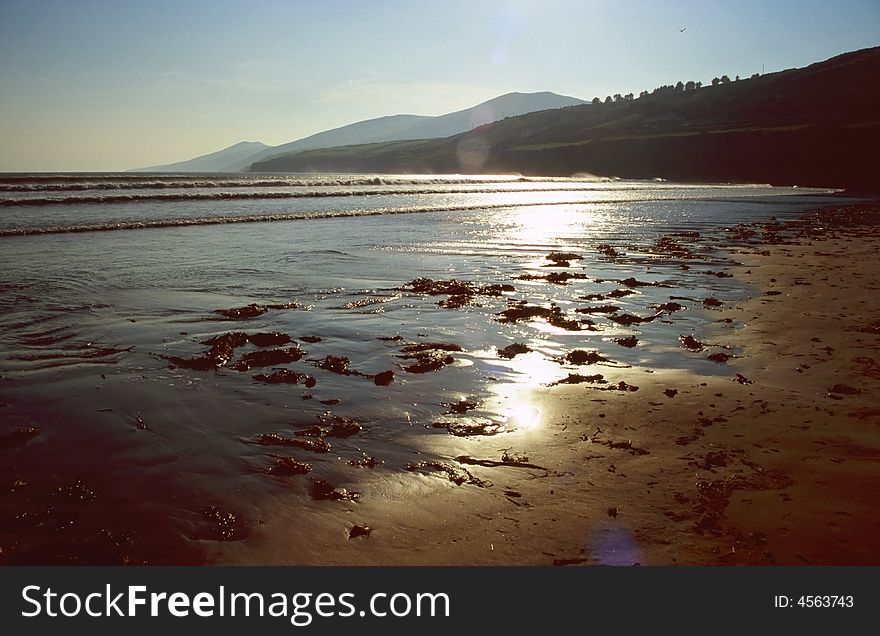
(770,459)
(773,461)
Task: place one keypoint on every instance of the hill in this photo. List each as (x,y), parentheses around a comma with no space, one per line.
(381,129)
(819,125)
(402,127)
(229,159)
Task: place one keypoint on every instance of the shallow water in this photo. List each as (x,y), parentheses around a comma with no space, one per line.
(136,457)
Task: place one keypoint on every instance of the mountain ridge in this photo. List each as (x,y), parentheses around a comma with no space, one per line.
(225,160)
(816,125)
(376,130)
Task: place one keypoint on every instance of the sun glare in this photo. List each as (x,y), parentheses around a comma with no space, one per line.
(542,224)
(515,400)
(523,416)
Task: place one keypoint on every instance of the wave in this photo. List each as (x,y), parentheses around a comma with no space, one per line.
(263,218)
(74,183)
(323,214)
(242,196)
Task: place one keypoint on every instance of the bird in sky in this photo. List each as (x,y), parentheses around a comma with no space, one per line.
(682,30)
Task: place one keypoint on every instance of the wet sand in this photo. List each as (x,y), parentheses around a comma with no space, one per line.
(728,429)
(775,462)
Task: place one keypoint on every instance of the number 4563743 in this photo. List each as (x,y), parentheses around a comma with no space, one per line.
(825,601)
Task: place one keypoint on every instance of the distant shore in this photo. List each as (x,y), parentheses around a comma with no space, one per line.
(774,462)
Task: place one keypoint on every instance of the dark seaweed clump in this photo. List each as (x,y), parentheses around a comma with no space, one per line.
(579,357)
(512,350)
(628,342)
(460,293)
(282,466)
(271,358)
(690,343)
(520,310)
(561,259)
(251,311)
(223,349)
(276,439)
(322,490)
(286,376)
(428,356)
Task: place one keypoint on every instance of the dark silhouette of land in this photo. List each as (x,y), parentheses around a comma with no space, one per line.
(392,128)
(814,126)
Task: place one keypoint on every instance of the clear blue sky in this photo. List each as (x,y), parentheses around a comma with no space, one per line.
(110,85)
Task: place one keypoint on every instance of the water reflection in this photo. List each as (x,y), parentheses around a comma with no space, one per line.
(151,294)
(548,225)
(522,415)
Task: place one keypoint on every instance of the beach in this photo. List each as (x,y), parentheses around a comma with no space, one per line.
(652,374)
(780,468)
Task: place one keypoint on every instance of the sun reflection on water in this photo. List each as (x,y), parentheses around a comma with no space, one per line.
(548,223)
(522,416)
(534,368)
(514,400)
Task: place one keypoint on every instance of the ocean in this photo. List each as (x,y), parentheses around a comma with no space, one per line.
(184,358)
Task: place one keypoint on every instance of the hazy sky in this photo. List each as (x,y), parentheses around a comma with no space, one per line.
(112,85)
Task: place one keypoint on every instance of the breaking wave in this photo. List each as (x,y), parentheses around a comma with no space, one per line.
(261,218)
(244,196)
(79,183)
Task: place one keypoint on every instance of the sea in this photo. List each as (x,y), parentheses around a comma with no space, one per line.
(182,356)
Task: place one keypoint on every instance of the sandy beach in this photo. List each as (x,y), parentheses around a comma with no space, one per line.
(774,461)
(618,384)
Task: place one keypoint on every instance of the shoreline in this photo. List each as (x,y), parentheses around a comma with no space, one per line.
(657,455)
(778,468)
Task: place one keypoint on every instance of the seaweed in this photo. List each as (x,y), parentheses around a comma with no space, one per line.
(457,476)
(512,350)
(359,531)
(268,358)
(460,293)
(383,378)
(276,439)
(576,378)
(690,343)
(286,376)
(288,466)
(252,311)
(520,310)
(580,357)
(628,342)
(428,356)
(630,319)
(468,429)
(323,490)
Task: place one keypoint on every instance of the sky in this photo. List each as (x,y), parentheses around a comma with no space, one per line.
(93,85)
